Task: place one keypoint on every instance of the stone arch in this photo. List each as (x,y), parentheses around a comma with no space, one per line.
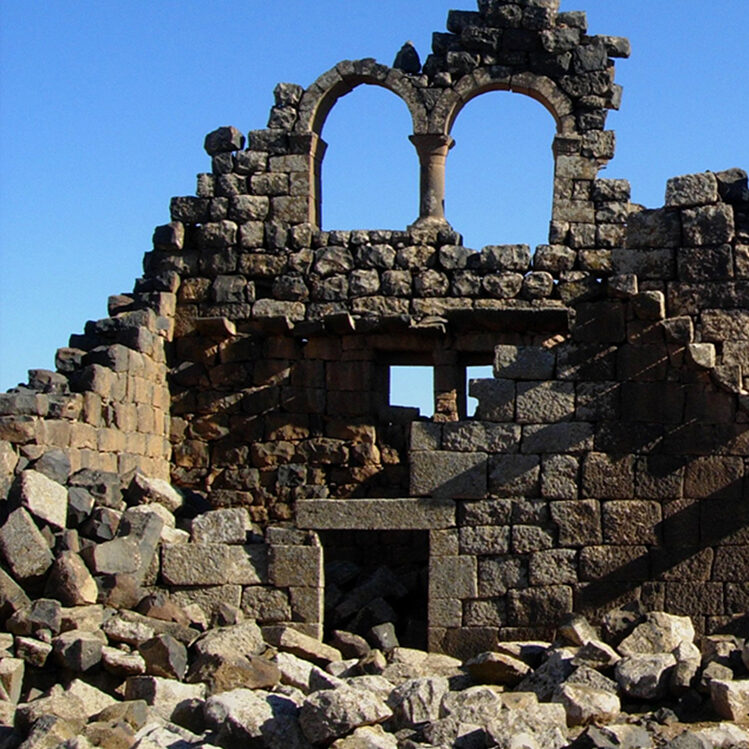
(484,80)
(319,99)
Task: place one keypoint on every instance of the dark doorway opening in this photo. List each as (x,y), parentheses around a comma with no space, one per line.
(375,577)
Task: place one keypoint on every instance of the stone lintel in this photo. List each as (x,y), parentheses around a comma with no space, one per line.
(375,514)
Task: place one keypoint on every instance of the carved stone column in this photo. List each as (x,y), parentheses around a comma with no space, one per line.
(432,150)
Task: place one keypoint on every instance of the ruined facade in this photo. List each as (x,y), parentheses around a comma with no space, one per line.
(608,459)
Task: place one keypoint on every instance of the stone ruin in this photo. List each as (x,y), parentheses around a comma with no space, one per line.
(607,463)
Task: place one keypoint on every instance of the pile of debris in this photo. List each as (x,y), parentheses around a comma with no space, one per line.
(94,653)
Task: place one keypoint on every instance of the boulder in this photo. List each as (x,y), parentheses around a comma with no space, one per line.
(367,737)
(223,674)
(78,650)
(224,526)
(247,717)
(164,656)
(44,498)
(645,677)
(731,699)
(24,547)
(225,642)
(583,704)
(144,490)
(497,668)
(11,678)
(418,700)
(165,696)
(70,581)
(332,713)
(292,641)
(658,633)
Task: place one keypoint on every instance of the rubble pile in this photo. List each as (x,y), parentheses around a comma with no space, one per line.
(100,649)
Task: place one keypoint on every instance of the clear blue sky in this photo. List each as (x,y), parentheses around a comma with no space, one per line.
(104,106)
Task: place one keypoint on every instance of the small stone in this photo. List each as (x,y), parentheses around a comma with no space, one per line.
(383,636)
(418,700)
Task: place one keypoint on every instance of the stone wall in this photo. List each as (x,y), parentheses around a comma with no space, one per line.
(608,457)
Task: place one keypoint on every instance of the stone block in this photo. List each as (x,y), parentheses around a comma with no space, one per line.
(649,229)
(553,567)
(614,563)
(45,499)
(714,477)
(486,512)
(578,522)
(692,190)
(485,540)
(496,399)
(295,566)
(208,598)
(223,526)
(213,564)
(370,514)
(725,325)
(453,577)
(496,575)
(631,522)
(540,604)
(660,477)
(530,538)
(523,362)
(599,322)
(446,474)
(545,402)
(559,477)
(608,476)
(567,437)
(514,475)
(24,547)
(695,599)
(708,225)
(586,362)
(642,363)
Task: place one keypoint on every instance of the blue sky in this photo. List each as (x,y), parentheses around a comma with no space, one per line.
(104,106)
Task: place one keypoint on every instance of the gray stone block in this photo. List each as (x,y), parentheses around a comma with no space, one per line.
(446,474)
(23,546)
(524,362)
(213,564)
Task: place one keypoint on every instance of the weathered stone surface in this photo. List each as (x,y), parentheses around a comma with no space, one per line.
(446,474)
(70,581)
(165,696)
(584,704)
(78,651)
(224,526)
(44,498)
(645,677)
(214,564)
(659,633)
(143,490)
(299,644)
(164,656)
(23,546)
(417,700)
(330,714)
(730,699)
(497,668)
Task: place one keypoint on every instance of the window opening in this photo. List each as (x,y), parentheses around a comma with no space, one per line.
(500,174)
(478,372)
(412,386)
(370,173)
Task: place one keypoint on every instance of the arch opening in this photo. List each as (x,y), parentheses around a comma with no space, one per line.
(500,174)
(370,173)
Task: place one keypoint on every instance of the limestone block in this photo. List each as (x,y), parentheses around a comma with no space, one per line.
(23,546)
(214,564)
(584,704)
(449,475)
(42,497)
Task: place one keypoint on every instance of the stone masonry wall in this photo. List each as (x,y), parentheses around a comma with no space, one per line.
(608,460)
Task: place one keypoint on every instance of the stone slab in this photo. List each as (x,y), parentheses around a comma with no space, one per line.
(379,514)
